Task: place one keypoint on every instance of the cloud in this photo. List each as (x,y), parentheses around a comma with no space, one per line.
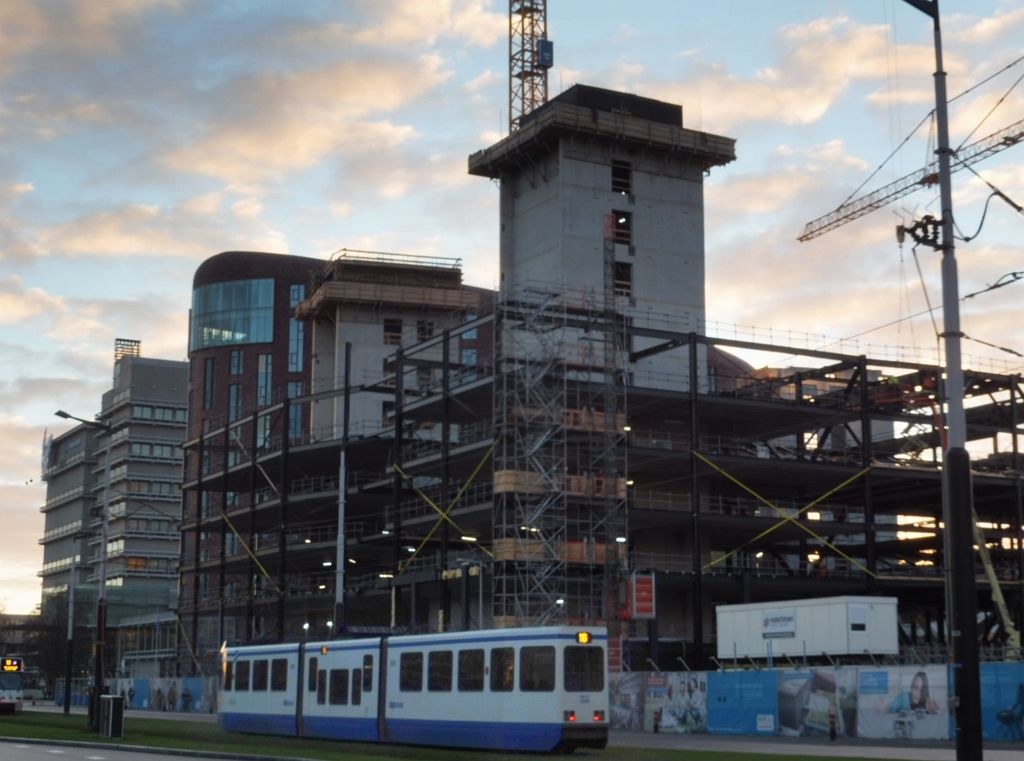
(272,125)
(18,304)
(405,22)
(1003,26)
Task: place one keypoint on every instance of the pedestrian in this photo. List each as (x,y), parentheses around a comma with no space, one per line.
(832,724)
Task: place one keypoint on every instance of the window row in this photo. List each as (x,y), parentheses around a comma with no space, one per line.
(168,414)
(583,671)
(156,451)
(336,688)
(243,676)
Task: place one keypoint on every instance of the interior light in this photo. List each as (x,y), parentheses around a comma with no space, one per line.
(469,538)
(385,575)
(352,561)
(620,539)
(308,540)
(327,564)
(385,532)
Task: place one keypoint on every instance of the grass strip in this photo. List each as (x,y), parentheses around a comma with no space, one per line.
(207,737)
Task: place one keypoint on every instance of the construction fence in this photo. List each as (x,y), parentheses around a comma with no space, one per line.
(884,702)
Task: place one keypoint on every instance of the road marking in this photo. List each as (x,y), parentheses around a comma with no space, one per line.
(96,758)
(56,752)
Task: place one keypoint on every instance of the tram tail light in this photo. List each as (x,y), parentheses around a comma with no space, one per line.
(569,715)
(598,715)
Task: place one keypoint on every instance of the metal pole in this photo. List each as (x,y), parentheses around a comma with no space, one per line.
(101,597)
(956,471)
(70,652)
(340,622)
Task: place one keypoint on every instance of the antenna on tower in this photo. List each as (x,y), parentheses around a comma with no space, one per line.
(530,55)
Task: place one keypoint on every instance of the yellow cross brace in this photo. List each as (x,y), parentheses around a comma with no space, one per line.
(788,518)
(444,513)
(250,553)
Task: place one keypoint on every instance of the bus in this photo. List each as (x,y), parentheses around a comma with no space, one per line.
(12,684)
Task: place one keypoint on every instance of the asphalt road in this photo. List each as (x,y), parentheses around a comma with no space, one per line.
(783,746)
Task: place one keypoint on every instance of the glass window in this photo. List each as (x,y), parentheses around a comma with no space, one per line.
(311,680)
(259,676)
(470,334)
(503,674)
(439,671)
(295,389)
(264,379)
(357,684)
(296,293)
(229,674)
(279,675)
(471,670)
(237,365)
(410,675)
(424,330)
(537,669)
(296,337)
(469,357)
(234,401)
(321,686)
(339,687)
(208,378)
(584,669)
(238,312)
(367,673)
(242,676)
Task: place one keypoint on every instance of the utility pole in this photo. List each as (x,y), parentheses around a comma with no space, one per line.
(957,502)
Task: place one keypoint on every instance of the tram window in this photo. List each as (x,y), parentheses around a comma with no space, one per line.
(439,671)
(242,676)
(410,675)
(537,669)
(367,673)
(357,683)
(584,669)
(313,662)
(503,670)
(229,674)
(471,670)
(339,687)
(279,675)
(321,686)
(259,676)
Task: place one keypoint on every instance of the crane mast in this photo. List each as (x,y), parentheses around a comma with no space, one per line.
(530,55)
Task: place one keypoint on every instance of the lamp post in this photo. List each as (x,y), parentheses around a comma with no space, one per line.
(70,650)
(101,595)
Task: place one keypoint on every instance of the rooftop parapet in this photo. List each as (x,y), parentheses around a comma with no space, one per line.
(620,117)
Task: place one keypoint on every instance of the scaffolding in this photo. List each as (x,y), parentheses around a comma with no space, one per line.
(559,480)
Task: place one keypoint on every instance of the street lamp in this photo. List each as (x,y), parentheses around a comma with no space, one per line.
(70,651)
(101,595)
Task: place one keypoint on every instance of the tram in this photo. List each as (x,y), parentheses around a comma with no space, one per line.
(12,684)
(534,689)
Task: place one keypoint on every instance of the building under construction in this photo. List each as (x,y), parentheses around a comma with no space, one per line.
(573,448)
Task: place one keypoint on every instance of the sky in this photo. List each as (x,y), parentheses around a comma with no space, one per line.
(139,137)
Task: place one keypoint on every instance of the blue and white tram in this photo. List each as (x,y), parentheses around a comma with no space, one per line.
(532,689)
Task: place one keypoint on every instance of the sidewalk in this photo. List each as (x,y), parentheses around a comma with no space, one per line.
(796,746)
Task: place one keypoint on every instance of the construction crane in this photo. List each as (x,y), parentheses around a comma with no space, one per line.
(530,55)
(927,231)
(926,177)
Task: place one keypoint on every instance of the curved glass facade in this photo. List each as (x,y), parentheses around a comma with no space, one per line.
(237,312)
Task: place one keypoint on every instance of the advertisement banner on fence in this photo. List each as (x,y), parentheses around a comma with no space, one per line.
(904,702)
(814,701)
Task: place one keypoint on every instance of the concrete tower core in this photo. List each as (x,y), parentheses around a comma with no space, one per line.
(601,192)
